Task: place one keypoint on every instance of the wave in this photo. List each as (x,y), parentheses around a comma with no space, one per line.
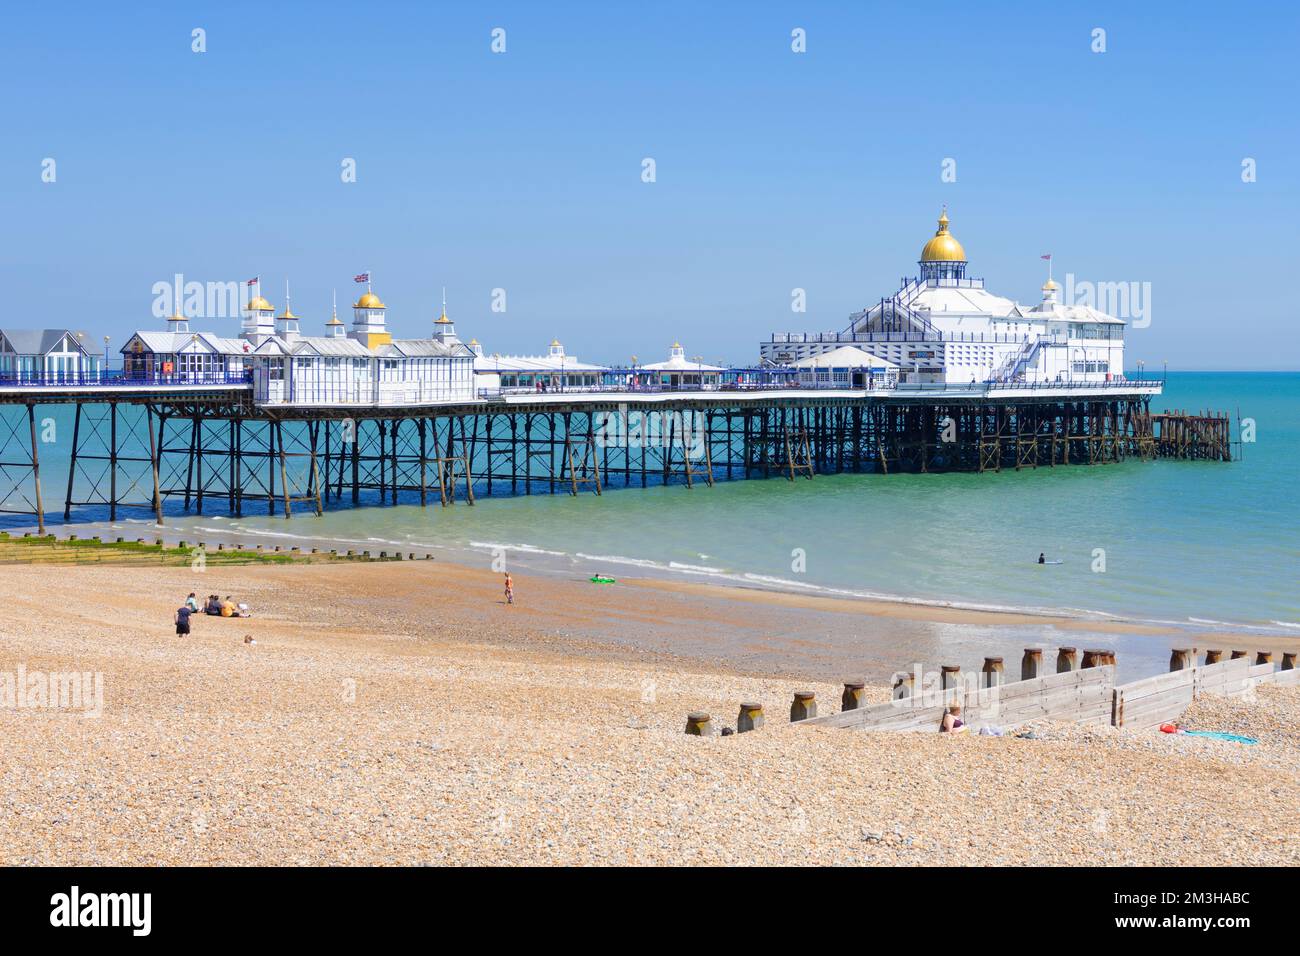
(523,548)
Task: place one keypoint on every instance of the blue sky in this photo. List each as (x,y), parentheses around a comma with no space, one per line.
(775,170)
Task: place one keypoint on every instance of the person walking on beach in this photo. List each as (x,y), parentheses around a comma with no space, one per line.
(510,589)
(183,621)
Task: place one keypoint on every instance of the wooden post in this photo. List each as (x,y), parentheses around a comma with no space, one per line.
(1092,658)
(1213,655)
(1067,659)
(1180,658)
(1263,657)
(854,695)
(992,672)
(905,686)
(804,705)
(699,724)
(1288,660)
(750,717)
(1237,654)
(950,675)
(1031,665)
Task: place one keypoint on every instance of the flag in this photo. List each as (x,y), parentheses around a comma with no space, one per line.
(254,281)
(364,277)
(1048,257)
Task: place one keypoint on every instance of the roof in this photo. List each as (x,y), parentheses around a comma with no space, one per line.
(846,356)
(947,299)
(39,341)
(534,363)
(679,363)
(423,348)
(166,343)
(1055,312)
(330,346)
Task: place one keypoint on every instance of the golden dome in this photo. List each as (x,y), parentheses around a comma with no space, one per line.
(1050,286)
(555,343)
(943,247)
(473,341)
(287,314)
(442,319)
(369,301)
(259,304)
(677,345)
(177,317)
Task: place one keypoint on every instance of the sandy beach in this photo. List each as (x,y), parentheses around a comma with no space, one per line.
(400,713)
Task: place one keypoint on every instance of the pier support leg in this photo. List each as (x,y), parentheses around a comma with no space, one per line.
(155,445)
(36,471)
(72,465)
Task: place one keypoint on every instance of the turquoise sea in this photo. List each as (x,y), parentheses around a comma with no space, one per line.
(1191,543)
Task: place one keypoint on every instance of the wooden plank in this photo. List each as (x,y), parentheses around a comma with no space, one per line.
(1287,678)
(1153,709)
(1148,685)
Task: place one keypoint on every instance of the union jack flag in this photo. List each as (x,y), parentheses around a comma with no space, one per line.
(254,281)
(1048,257)
(364,277)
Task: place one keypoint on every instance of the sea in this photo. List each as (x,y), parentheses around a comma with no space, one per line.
(1184,543)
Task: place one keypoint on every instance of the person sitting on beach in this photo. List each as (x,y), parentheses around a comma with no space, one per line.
(952,722)
(213,606)
(192,603)
(228,608)
(182,618)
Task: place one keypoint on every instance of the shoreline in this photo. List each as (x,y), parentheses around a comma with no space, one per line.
(647,573)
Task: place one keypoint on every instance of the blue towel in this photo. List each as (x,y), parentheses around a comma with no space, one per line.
(1235,738)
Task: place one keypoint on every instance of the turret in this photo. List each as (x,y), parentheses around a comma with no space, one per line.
(368,325)
(443,329)
(943,257)
(259,318)
(286,324)
(334,328)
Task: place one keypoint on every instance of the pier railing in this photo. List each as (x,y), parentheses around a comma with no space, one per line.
(118,377)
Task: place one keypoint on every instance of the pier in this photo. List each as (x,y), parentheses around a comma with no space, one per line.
(204,444)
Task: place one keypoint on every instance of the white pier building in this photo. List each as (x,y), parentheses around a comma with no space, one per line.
(363,365)
(944,327)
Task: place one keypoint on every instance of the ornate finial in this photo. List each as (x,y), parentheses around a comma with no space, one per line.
(442,319)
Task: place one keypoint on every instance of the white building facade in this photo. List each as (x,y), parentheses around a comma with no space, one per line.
(363,365)
(944,327)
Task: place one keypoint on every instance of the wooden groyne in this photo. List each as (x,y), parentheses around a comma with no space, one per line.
(1077,692)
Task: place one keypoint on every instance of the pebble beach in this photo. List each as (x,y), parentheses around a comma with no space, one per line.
(402,714)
